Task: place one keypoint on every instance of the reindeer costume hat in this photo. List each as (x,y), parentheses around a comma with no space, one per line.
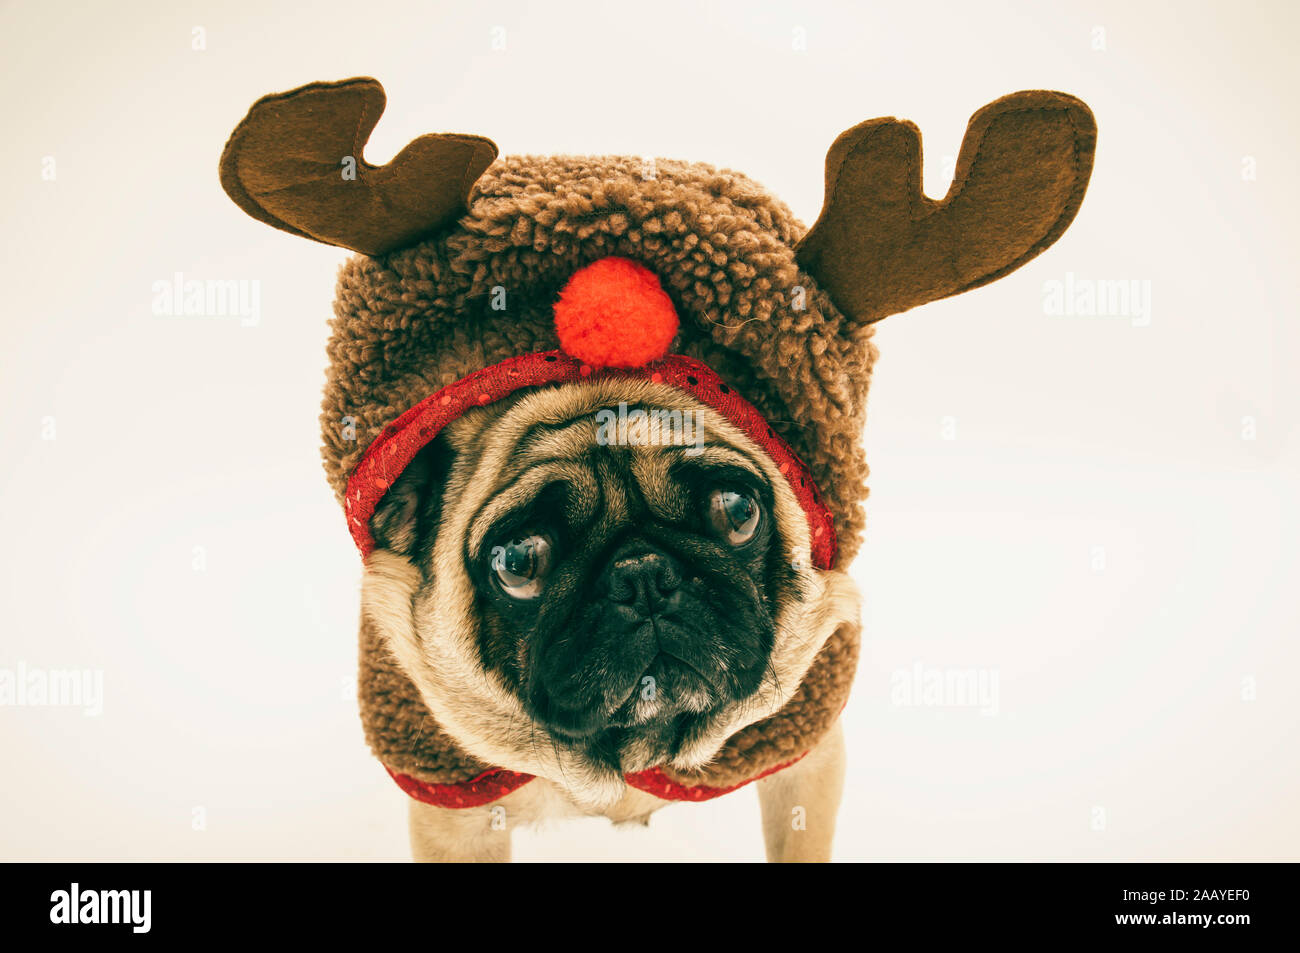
(478,276)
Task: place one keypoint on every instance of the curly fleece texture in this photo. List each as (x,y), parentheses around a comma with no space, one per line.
(422,317)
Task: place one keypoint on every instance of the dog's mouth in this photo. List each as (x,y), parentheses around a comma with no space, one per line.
(649,726)
(663,690)
(669,686)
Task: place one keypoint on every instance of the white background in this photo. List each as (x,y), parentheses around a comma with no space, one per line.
(229,691)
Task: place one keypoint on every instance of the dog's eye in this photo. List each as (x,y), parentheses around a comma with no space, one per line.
(733,516)
(522,565)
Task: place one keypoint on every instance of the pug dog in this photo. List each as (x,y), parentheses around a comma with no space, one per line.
(596,576)
(578,600)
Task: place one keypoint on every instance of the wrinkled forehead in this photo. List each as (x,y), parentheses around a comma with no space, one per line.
(615,446)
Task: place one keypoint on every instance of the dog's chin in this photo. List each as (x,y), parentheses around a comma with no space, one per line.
(650,726)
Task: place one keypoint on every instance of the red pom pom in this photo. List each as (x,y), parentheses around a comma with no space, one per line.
(613,313)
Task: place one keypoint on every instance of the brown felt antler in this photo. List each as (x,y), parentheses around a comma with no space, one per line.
(880,246)
(287,165)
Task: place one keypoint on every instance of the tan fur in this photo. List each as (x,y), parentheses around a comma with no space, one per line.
(800,804)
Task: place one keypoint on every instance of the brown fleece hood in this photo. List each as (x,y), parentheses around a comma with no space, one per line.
(463,256)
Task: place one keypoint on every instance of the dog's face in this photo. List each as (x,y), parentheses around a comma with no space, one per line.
(630,591)
(595,589)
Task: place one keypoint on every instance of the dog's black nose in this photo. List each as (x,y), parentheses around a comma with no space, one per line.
(645,581)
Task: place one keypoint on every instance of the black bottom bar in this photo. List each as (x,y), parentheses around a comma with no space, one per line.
(1173,903)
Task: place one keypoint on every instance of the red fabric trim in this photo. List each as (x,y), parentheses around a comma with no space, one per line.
(491,785)
(386,458)
(654,781)
(494,784)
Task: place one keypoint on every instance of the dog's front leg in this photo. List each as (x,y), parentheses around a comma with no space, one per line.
(800,803)
(459,835)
